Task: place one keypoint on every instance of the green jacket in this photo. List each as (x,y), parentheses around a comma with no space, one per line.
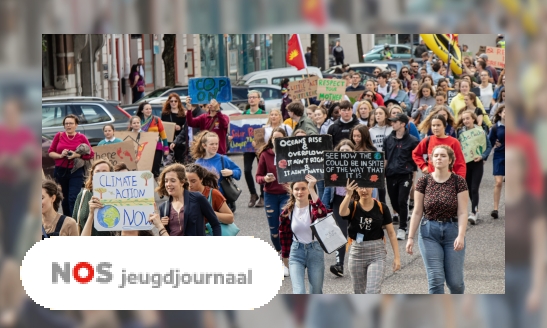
(305,124)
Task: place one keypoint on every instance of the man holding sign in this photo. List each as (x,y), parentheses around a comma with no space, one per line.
(213,121)
(400,168)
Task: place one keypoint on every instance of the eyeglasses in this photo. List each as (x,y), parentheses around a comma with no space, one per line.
(70,123)
(252,97)
(173,101)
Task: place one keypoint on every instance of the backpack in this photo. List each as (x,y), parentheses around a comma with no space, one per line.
(350,241)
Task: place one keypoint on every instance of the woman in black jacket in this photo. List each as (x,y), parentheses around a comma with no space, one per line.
(183,213)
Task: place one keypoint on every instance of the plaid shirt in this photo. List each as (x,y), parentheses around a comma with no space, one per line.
(285,231)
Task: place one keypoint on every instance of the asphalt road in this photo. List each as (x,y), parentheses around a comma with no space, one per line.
(484,259)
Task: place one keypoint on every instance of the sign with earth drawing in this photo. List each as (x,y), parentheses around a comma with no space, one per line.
(366,168)
(128,199)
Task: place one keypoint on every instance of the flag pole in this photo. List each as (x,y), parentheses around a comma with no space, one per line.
(302,52)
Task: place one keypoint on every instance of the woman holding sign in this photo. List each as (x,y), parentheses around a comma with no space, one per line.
(296,238)
(475,165)
(151,123)
(367,255)
(275,194)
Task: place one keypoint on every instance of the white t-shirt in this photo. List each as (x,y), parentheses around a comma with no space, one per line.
(486,96)
(383,91)
(300,225)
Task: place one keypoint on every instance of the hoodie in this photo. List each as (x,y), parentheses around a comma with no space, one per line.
(398,153)
(340,130)
(458,104)
(378,134)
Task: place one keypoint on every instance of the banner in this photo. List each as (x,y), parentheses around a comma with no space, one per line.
(298,156)
(128,199)
(203,89)
(331,89)
(144,147)
(365,167)
(121,152)
(242,131)
(473,143)
(302,89)
(496,57)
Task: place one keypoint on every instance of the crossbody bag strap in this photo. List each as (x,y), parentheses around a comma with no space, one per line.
(213,123)
(80,207)
(290,219)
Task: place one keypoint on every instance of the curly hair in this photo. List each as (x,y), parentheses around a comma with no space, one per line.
(181,176)
(166,110)
(197,150)
(208,178)
(89,182)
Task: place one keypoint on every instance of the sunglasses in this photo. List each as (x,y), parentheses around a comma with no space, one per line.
(173,101)
(405,72)
(415,66)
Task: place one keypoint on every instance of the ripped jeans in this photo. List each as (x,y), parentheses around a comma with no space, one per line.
(273,205)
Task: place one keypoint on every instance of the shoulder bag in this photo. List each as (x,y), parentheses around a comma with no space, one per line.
(231,190)
(227,229)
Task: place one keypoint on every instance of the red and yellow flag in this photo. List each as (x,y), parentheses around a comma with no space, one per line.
(295,55)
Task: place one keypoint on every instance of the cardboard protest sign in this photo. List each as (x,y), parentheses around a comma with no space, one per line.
(305,88)
(144,147)
(128,199)
(121,152)
(354,95)
(365,167)
(259,138)
(298,156)
(203,89)
(467,54)
(169,128)
(331,89)
(242,129)
(473,143)
(496,57)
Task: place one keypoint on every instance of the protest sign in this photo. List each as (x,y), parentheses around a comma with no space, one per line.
(331,89)
(496,57)
(259,138)
(242,129)
(298,156)
(467,54)
(473,143)
(354,95)
(169,130)
(144,147)
(302,89)
(450,95)
(121,152)
(128,199)
(365,167)
(203,89)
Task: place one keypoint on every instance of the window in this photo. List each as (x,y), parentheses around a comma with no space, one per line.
(92,113)
(52,115)
(240,93)
(180,92)
(367,69)
(259,81)
(277,80)
(401,50)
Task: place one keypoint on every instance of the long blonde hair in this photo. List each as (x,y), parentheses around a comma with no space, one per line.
(269,123)
(426,124)
(197,150)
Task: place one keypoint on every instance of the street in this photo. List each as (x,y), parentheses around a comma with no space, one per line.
(484,258)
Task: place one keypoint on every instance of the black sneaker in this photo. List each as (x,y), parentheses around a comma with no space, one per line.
(337,270)
(395,218)
(411,204)
(494,214)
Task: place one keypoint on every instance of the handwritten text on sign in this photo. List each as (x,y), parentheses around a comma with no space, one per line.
(473,143)
(242,129)
(331,89)
(128,199)
(121,152)
(365,167)
(305,88)
(496,57)
(203,89)
(298,156)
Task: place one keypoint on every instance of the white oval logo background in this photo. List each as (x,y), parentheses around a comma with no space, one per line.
(253,262)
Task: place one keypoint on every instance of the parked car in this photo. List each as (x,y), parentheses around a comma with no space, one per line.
(399,51)
(365,69)
(48,164)
(392,65)
(157,105)
(275,75)
(93,113)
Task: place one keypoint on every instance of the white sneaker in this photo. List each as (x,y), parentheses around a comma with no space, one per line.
(285,270)
(472,219)
(401,234)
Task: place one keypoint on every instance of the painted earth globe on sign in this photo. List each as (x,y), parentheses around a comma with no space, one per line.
(108,216)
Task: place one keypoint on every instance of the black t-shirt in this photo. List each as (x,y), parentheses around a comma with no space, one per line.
(369,223)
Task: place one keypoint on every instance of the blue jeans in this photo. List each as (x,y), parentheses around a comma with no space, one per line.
(441,261)
(71,184)
(273,204)
(309,256)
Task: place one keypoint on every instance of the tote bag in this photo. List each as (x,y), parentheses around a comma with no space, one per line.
(328,234)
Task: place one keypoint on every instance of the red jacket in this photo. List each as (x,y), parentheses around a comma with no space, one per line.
(417,154)
(220,127)
(266,165)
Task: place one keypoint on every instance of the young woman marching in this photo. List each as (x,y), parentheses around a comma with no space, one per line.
(151,123)
(275,194)
(441,198)
(109,137)
(297,241)
(367,255)
(364,111)
(497,139)
(380,129)
(475,168)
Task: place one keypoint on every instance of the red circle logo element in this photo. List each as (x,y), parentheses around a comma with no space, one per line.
(76,272)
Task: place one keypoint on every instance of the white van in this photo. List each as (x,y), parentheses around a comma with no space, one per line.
(274,76)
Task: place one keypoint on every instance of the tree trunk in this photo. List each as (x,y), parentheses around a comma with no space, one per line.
(314,58)
(360,48)
(168,57)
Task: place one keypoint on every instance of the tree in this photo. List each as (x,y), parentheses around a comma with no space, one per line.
(168,57)
(146,176)
(314,59)
(101,191)
(360,49)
